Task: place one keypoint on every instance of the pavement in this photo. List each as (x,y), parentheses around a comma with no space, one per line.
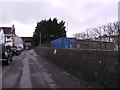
(29,70)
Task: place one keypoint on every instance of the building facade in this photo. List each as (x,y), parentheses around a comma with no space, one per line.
(9,33)
(110,39)
(96,45)
(2,36)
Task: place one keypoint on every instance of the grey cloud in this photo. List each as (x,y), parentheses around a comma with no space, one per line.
(22,11)
(77,15)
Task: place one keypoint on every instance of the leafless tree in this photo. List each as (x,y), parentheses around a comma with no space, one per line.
(82,35)
(98,32)
(105,30)
(111,29)
(116,27)
(77,35)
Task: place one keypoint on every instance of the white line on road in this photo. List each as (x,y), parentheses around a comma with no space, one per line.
(25,81)
(42,75)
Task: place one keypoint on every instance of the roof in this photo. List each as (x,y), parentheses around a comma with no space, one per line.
(7,30)
(0,28)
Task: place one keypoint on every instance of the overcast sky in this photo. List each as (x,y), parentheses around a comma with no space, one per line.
(80,15)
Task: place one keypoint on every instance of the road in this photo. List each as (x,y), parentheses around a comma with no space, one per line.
(28,70)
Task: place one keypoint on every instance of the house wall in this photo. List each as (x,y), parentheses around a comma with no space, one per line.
(2,37)
(8,41)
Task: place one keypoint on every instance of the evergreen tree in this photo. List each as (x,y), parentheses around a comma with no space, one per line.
(48,30)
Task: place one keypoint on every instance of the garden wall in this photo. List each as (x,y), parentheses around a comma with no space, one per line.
(98,68)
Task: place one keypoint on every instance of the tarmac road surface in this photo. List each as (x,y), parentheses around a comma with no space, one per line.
(28,70)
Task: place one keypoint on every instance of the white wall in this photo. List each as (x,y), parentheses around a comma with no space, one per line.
(9,41)
(2,37)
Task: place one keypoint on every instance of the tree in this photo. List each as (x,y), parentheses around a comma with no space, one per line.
(110,29)
(80,35)
(48,30)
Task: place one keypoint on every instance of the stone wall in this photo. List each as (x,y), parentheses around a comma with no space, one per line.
(98,68)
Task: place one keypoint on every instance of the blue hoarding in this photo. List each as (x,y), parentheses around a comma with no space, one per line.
(64,43)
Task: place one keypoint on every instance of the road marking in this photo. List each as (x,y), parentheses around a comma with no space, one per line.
(72,77)
(25,81)
(66,73)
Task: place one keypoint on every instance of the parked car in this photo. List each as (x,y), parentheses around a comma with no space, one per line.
(9,50)
(5,55)
(14,50)
(26,48)
(18,50)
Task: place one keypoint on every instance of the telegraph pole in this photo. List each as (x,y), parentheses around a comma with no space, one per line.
(119,36)
(119,27)
(67,26)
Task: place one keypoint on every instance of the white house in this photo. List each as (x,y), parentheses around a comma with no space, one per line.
(9,35)
(2,36)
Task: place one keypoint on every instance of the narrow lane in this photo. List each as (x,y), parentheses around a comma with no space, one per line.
(28,70)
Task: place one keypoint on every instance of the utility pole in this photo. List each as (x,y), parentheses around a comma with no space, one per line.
(119,36)
(67,26)
(119,27)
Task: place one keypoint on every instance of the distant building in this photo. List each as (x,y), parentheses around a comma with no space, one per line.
(2,36)
(18,41)
(9,35)
(27,41)
(105,38)
(96,45)
(109,39)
